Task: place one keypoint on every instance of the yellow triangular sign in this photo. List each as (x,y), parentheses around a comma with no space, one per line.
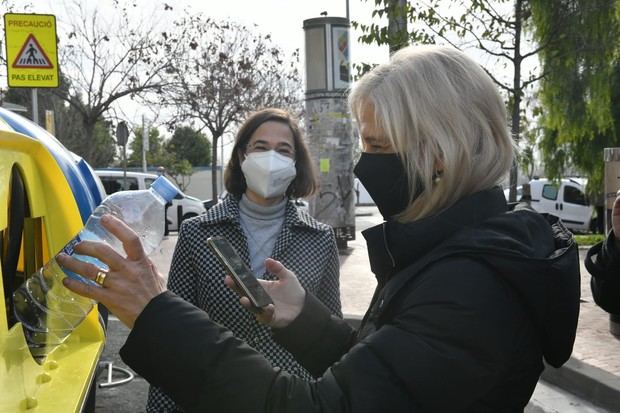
(32,56)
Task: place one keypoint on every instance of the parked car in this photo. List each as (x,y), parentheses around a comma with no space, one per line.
(362,197)
(566,199)
(182,208)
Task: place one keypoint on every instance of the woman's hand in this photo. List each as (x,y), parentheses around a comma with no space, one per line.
(130,283)
(286,292)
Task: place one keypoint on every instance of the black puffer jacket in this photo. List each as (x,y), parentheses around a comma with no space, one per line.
(468,303)
(603,263)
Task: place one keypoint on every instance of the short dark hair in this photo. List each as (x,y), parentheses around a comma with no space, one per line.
(305,182)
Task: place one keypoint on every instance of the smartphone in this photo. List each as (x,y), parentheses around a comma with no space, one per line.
(241,274)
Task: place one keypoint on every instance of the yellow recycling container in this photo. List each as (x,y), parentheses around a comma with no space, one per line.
(46,195)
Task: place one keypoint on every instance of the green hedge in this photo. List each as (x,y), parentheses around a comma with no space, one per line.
(590,239)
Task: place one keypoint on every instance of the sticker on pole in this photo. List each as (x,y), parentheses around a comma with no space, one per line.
(31,50)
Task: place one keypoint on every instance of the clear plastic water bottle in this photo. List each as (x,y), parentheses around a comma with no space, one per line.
(47,310)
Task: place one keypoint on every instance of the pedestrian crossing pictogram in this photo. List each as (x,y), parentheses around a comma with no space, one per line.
(32,56)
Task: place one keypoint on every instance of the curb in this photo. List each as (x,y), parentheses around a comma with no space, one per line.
(587,382)
(353,320)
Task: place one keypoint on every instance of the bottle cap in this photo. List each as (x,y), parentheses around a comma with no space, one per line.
(165,188)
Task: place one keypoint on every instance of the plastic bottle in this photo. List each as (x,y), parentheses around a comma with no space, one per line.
(47,310)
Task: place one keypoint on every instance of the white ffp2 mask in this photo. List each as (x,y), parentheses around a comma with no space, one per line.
(268,173)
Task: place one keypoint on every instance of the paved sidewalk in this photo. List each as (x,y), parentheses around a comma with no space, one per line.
(594,344)
(593,372)
(357,282)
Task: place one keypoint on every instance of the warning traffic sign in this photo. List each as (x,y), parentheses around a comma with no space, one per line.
(31,50)
(32,55)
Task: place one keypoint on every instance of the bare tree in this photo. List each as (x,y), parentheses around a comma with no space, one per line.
(498,31)
(222,71)
(108,56)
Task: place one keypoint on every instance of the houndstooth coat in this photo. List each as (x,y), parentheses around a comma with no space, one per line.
(304,245)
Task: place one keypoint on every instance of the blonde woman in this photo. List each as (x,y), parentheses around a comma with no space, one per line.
(471,296)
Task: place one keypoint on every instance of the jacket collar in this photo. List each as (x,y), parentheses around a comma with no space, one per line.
(393,246)
(227,211)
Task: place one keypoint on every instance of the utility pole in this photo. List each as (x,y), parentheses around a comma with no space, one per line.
(328,123)
(397,24)
(145,143)
(122,133)
(222,166)
(35,105)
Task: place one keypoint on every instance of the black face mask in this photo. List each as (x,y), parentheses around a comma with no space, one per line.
(384,177)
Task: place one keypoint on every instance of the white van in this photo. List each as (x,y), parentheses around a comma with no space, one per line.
(182,208)
(565,199)
(362,197)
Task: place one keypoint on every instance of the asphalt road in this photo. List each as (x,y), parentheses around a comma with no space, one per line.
(127,398)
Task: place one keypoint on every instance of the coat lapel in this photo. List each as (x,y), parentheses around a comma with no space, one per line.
(293,220)
(227,212)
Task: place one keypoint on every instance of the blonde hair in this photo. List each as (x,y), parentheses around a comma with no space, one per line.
(438,107)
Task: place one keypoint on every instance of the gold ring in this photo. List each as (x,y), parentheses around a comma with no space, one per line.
(100,278)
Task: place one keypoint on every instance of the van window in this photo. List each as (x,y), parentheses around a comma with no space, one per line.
(550,192)
(110,185)
(574,196)
(132,183)
(114,184)
(148,182)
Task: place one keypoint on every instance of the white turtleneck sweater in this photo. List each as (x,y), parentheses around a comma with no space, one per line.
(261,226)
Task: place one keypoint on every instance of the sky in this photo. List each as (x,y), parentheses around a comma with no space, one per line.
(283,19)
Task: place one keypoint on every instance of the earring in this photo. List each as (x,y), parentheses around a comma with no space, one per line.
(437,176)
